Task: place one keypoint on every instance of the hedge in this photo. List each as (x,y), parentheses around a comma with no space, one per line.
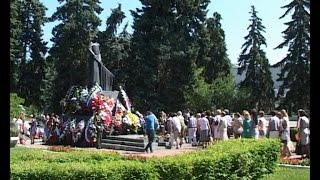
(233,159)
(21,155)
(13,133)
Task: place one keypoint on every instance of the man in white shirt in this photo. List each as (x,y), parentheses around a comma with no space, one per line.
(176,129)
(20,127)
(229,123)
(274,124)
(192,128)
(204,130)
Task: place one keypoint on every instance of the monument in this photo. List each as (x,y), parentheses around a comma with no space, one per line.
(98,73)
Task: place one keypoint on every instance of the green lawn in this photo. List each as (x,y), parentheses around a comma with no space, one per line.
(284,173)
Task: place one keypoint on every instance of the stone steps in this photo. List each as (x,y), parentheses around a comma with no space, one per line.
(126,143)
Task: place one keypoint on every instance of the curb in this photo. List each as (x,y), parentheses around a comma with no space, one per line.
(294,166)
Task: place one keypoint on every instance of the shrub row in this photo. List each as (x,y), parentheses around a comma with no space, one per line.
(29,154)
(233,159)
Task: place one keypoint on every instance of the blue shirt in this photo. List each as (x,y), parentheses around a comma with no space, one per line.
(151,122)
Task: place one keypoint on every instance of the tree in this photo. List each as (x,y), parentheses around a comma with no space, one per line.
(164,52)
(295,72)
(71,38)
(15,53)
(217,62)
(47,86)
(254,63)
(115,48)
(33,49)
(209,96)
(16,103)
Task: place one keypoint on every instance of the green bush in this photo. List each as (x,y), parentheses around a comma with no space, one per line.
(13,133)
(29,154)
(233,159)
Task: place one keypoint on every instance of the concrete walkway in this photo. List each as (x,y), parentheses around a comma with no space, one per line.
(159,151)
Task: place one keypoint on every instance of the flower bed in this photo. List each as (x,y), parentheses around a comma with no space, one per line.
(60,148)
(295,161)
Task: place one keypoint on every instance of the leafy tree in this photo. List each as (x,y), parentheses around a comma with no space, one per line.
(71,37)
(254,63)
(15,105)
(208,96)
(295,72)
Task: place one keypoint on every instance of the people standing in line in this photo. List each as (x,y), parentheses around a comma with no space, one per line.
(216,132)
(262,125)
(204,126)
(151,123)
(192,129)
(223,126)
(183,127)
(237,125)
(33,128)
(254,118)
(285,133)
(229,123)
(176,129)
(247,125)
(304,132)
(274,124)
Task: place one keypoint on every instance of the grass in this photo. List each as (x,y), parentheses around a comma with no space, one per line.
(287,173)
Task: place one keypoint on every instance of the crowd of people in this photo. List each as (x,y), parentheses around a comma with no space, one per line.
(210,127)
(195,128)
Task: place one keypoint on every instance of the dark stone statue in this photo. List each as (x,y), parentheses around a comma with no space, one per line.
(98,73)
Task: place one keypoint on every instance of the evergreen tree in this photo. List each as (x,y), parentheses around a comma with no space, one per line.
(254,63)
(115,48)
(15,48)
(164,52)
(218,62)
(33,48)
(71,38)
(47,86)
(295,72)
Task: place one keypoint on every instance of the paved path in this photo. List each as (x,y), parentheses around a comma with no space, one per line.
(158,151)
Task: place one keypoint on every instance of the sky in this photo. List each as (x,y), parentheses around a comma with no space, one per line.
(235,21)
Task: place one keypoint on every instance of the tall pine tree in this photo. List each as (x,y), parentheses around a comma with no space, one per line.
(295,67)
(164,52)
(115,47)
(254,63)
(33,48)
(218,63)
(15,45)
(71,37)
